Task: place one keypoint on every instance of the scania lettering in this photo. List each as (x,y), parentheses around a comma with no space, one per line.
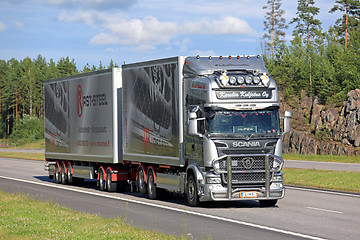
(207,128)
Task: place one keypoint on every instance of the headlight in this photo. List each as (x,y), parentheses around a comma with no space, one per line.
(210,180)
(240,80)
(232,80)
(248,80)
(277,164)
(256,80)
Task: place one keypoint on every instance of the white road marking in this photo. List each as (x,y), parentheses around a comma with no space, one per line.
(169,208)
(324,210)
(324,191)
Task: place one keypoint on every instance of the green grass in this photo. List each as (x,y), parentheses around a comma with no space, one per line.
(23,155)
(35,145)
(326,179)
(323,158)
(24,218)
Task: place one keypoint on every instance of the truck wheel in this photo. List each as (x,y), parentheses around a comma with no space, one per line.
(69,174)
(151,187)
(191,192)
(141,180)
(110,185)
(63,174)
(57,174)
(268,203)
(102,182)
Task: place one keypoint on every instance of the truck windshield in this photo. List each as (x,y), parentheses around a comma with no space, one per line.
(243,122)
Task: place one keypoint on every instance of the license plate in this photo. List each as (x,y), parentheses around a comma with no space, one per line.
(248,194)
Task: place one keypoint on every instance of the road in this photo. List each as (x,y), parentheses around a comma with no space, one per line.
(354,167)
(302,214)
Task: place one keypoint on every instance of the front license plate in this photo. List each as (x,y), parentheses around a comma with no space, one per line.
(248,194)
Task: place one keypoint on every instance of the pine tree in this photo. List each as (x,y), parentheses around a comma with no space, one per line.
(350,19)
(310,27)
(274,24)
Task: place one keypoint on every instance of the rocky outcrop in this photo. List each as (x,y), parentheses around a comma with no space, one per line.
(319,129)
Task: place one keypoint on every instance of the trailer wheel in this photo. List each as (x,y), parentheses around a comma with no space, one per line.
(141,180)
(102,182)
(151,187)
(57,174)
(69,174)
(268,203)
(63,174)
(191,192)
(110,185)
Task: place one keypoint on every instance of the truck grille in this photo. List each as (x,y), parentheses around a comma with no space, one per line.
(246,163)
(245,178)
(247,169)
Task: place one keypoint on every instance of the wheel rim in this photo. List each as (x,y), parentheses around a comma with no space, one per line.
(141,180)
(101,180)
(63,174)
(191,190)
(69,175)
(151,184)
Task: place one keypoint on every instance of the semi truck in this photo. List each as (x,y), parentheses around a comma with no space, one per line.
(207,128)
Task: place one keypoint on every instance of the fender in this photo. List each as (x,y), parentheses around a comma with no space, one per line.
(195,169)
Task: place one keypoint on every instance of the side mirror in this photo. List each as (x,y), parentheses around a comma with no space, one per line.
(287,121)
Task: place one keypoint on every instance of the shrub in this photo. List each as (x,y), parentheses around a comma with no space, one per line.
(27,130)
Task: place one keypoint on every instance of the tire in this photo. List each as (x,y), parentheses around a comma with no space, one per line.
(63,174)
(141,180)
(102,182)
(70,178)
(151,187)
(57,174)
(191,192)
(110,185)
(268,203)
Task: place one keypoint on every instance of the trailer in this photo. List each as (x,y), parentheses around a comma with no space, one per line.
(204,127)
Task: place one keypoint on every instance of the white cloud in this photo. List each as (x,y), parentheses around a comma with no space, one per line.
(93,4)
(2,27)
(149,32)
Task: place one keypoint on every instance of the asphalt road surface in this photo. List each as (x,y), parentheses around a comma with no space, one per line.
(354,167)
(302,214)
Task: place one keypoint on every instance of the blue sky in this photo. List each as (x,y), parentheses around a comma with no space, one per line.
(91,31)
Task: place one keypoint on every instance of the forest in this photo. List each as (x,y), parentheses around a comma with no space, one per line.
(323,63)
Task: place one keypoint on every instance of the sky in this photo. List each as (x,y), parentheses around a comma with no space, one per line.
(90,31)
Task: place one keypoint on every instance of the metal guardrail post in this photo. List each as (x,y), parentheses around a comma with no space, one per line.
(267,177)
(229,178)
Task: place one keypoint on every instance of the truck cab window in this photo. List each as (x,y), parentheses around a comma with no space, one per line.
(243,122)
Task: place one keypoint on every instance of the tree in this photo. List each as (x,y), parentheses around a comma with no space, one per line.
(350,19)
(308,26)
(274,24)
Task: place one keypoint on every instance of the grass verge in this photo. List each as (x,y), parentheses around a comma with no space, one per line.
(326,179)
(24,218)
(23,155)
(323,158)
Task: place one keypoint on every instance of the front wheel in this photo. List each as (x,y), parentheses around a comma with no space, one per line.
(268,203)
(191,192)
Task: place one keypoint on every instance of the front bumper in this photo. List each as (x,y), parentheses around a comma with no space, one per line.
(263,181)
(217,192)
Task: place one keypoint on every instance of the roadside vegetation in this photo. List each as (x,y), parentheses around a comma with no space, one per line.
(323,158)
(24,218)
(325,179)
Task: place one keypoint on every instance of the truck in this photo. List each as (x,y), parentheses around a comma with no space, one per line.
(207,128)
